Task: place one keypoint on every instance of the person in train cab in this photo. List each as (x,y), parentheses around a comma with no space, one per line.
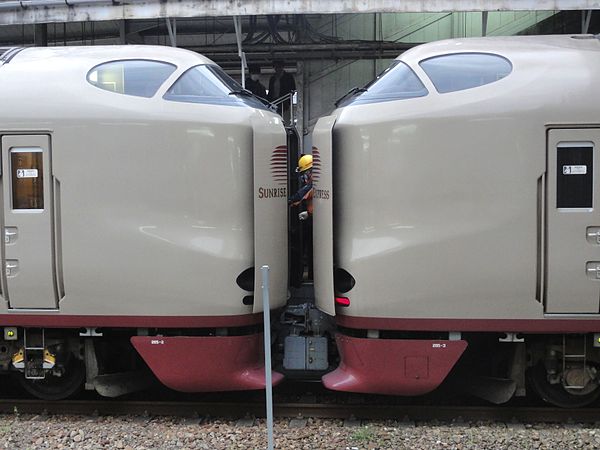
(253,84)
(304,199)
(280,84)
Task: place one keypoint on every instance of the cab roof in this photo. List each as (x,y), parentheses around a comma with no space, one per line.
(93,55)
(506,46)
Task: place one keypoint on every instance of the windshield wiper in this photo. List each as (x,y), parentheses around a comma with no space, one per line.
(351,92)
(247,93)
(244,92)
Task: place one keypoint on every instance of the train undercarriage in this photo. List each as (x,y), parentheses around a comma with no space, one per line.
(561,369)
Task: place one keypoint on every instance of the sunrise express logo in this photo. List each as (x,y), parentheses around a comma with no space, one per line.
(322,194)
(278,165)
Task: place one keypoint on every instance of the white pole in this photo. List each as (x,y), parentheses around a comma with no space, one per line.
(267,340)
(172,31)
(237,23)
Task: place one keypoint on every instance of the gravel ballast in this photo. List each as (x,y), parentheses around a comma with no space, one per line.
(144,433)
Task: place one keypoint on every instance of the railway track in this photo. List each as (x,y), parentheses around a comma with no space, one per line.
(407,413)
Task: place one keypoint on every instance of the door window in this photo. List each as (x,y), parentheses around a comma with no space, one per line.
(574,177)
(27,178)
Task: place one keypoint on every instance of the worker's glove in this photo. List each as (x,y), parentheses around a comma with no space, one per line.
(303,215)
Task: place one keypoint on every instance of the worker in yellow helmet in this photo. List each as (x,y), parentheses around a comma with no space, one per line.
(304,195)
(304,199)
(304,163)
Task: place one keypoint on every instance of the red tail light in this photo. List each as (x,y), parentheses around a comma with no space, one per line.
(342,301)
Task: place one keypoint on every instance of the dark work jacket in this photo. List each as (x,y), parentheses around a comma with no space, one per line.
(303,198)
(286,85)
(256,88)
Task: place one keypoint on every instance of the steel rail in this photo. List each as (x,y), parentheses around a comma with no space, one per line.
(403,413)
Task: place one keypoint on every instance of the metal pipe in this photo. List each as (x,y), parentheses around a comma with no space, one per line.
(484,23)
(586,16)
(10,5)
(237,22)
(172,32)
(24,4)
(267,341)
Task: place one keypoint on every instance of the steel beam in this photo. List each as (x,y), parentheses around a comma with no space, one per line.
(14,12)
(227,56)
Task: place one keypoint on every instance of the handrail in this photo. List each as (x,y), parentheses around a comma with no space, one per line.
(291,110)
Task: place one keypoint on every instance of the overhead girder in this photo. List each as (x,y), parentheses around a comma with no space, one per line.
(51,11)
(259,41)
(266,54)
(256,30)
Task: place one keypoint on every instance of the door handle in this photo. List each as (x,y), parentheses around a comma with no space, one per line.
(11,267)
(10,235)
(593,270)
(593,235)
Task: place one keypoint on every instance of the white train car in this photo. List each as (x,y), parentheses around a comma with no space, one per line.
(141,187)
(457,220)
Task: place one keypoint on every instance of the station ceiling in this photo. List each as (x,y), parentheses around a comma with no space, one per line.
(52,11)
(291,30)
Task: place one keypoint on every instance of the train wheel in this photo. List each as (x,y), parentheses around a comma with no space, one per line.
(59,383)
(558,394)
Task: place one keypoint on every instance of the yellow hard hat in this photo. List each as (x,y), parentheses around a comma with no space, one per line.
(304,163)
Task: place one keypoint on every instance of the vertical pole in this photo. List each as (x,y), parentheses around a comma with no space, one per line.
(484,23)
(586,16)
(300,103)
(172,29)
(267,340)
(293,99)
(237,23)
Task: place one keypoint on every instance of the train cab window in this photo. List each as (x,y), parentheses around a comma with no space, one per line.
(209,84)
(27,178)
(397,82)
(460,71)
(140,78)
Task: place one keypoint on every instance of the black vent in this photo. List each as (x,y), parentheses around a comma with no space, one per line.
(343,281)
(245,280)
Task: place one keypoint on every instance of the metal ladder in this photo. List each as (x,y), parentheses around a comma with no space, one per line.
(34,356)
(574,357)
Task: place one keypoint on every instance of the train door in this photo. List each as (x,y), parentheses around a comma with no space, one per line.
(573,222)
(28,222)
(323,214)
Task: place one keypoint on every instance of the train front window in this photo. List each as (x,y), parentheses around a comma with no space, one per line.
(209,84)
(140,78)
(460,71)
(397,82)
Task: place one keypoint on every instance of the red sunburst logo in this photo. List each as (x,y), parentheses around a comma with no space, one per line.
(316,164)
(279,165)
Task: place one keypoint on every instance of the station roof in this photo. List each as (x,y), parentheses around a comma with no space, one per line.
(14,12)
